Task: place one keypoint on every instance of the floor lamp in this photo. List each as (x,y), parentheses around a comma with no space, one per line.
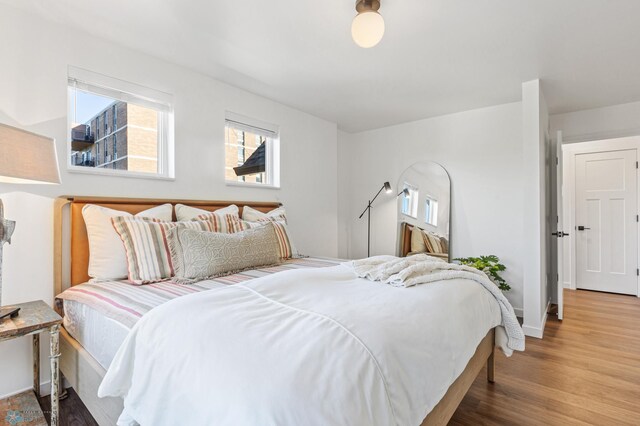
(387,188)
(24,158)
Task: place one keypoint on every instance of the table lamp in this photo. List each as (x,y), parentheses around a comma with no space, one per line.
(25,157)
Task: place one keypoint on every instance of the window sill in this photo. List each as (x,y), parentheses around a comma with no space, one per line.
(116,173)
(250,185)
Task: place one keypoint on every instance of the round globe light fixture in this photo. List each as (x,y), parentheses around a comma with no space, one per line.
(367,27)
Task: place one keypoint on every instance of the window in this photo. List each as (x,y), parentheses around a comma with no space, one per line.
(431,211)
(410,202)
(251,152)
(127,128)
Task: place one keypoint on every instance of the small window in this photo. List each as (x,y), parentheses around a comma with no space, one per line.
(127,128)
(410,202)
(251,152)
(431,211)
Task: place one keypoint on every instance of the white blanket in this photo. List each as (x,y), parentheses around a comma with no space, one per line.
(424,269)
(312,347)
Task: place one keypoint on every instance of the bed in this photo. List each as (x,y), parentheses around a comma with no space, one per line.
(86,357)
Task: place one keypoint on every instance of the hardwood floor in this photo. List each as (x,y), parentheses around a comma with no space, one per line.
(72,411)
(586,370)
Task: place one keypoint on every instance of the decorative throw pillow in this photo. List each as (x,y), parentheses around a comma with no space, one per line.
(287,249)
(146,247)
(445,244)
(252,215)
(224,223)
(198,255)
(107,256)
(184,213)
(417,241)
(432,243)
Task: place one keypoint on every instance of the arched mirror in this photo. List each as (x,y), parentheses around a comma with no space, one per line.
(424,211)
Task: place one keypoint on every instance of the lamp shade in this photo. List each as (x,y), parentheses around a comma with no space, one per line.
(26,157)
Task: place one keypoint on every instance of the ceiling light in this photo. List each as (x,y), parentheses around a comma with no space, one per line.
(367,28)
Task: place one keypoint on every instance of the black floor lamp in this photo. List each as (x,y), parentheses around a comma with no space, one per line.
(387,188)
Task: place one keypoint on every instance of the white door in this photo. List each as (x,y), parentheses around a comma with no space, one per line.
(606,222)
(560,234)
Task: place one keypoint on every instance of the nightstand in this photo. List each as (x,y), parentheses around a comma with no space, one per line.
(35,318)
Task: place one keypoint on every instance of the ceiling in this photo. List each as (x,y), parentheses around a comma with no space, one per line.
(437,56)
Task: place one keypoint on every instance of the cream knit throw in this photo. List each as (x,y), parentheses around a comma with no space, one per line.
(424,269)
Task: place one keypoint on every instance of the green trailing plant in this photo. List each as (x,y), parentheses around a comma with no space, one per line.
(490,265)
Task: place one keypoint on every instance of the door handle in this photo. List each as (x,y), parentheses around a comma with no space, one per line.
(559,234)
(582,228)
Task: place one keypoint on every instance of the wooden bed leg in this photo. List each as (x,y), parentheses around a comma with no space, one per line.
(491,366)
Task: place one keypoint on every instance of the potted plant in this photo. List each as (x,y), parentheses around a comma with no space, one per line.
(490,265)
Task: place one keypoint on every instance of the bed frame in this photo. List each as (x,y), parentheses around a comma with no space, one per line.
(85,374)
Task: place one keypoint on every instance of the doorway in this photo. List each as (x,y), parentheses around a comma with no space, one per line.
(601,208)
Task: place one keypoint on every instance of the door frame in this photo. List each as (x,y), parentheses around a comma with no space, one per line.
(569,153)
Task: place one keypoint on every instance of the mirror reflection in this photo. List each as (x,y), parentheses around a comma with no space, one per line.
(424,210)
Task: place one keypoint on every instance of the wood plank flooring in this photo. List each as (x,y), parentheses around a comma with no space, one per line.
(586,370)
(72,411)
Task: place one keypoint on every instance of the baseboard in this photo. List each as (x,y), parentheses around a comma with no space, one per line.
(537,332)
(45,389)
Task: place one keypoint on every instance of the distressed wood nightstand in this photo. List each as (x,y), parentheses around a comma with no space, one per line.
(33,319)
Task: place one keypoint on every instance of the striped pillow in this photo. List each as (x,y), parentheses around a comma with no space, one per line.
(224,223)
(432,243)
(287,249)
(145,243)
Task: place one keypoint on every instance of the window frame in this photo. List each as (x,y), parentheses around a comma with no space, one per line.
(272,155)
(432,211)
(102,85)
(413,200)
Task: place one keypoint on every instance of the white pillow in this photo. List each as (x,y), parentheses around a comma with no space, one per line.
(252,215)
(184,213)
(107,257)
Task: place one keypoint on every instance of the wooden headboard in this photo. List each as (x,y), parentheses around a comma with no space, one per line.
(405,239)
(71,242)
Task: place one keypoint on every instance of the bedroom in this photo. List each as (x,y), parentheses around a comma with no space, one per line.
(485,98)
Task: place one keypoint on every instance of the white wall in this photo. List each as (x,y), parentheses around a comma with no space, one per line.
(600,123)
(33,95)
(535,154)
(483,152)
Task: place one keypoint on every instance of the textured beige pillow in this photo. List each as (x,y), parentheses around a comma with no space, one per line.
(417,241)
(189,213)
(107,256)
(287,248)
(198,255)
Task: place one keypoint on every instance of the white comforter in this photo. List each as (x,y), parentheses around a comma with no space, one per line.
(312,347)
